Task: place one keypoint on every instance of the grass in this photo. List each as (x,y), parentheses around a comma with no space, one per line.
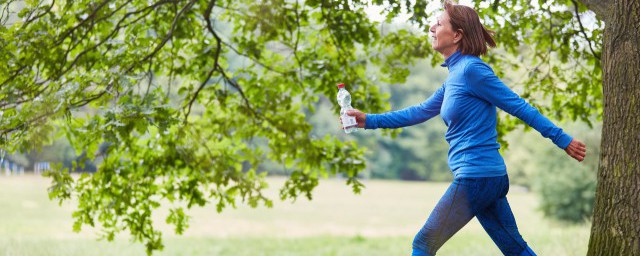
(381,221)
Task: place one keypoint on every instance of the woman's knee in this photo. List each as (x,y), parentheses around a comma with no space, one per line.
(423,244)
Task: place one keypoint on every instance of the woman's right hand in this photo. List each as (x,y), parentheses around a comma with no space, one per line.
(577,150)
(361,118)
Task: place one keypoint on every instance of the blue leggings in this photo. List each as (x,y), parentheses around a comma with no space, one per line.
(484,198)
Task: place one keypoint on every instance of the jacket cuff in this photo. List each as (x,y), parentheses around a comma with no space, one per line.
(564,141)
(370,121)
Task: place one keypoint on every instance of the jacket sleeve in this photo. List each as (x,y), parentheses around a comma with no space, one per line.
(486,85)
(409,116)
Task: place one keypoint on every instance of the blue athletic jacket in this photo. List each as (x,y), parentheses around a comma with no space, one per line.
(467,102)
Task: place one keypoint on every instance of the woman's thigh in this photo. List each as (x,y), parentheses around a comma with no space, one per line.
(450,214)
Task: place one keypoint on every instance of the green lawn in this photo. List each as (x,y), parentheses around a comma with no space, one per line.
(380,221)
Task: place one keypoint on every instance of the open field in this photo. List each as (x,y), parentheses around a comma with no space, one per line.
(380,221)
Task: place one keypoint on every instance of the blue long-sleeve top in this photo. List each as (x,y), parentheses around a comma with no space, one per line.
(467,102)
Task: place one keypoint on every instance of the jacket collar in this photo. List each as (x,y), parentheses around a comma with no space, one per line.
(453,59)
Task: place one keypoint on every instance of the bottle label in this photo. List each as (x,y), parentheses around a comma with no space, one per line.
(349,121)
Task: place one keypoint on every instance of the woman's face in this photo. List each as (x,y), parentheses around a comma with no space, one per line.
(445,40)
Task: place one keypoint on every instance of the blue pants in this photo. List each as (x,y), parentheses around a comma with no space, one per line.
(484,198)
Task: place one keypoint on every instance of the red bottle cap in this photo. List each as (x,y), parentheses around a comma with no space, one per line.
(340,85)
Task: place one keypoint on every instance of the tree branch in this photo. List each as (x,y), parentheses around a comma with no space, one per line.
(253,59)
(170,34)
(48,10)
(230,81)
(90,17)
(5,10)
(27,123)
(18,102)
(224,74)
(295,47)
(327,17)
(195,95)
(15,74)
(61,39)
(150,55)
(216,65)
(216,56)
(150,73)
(244,54)
(61,72)
(575,5)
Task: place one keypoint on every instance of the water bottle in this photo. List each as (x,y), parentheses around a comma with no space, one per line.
(344,100)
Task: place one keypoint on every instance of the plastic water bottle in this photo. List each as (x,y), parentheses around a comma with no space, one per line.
(344,100)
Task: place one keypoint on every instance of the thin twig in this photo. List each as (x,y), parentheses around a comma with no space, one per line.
(40,15)
(295,47)
(90,17)
(216,56)
(195,95)
(584,33)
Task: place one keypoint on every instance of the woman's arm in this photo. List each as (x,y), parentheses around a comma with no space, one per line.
(405,117)
(486,85)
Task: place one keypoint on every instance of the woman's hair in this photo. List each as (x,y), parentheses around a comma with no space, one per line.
(475,36)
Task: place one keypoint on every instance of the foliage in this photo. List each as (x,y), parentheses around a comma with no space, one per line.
(566,189)
(182,119)
(567,195)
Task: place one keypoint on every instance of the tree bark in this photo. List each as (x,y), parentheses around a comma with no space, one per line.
(616,217)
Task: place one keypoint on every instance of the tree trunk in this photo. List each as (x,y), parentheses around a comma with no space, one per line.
(616,217)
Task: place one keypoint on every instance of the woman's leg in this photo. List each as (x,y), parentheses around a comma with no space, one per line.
(452,212)
(497,219)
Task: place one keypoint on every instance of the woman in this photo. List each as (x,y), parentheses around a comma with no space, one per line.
(467,102)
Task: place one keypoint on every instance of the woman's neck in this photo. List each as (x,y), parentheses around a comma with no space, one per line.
(448,52)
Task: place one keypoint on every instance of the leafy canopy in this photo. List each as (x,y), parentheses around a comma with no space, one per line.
(180,101)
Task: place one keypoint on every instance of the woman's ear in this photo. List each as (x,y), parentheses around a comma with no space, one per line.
(458,36)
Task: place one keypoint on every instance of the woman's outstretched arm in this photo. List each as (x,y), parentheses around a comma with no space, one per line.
(486,85)
(405,117)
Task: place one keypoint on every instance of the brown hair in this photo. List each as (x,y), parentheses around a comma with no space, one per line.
(475,36)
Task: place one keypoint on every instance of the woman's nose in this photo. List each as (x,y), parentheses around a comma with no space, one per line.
(432,29)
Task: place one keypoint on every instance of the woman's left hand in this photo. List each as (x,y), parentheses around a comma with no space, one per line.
(577,150)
